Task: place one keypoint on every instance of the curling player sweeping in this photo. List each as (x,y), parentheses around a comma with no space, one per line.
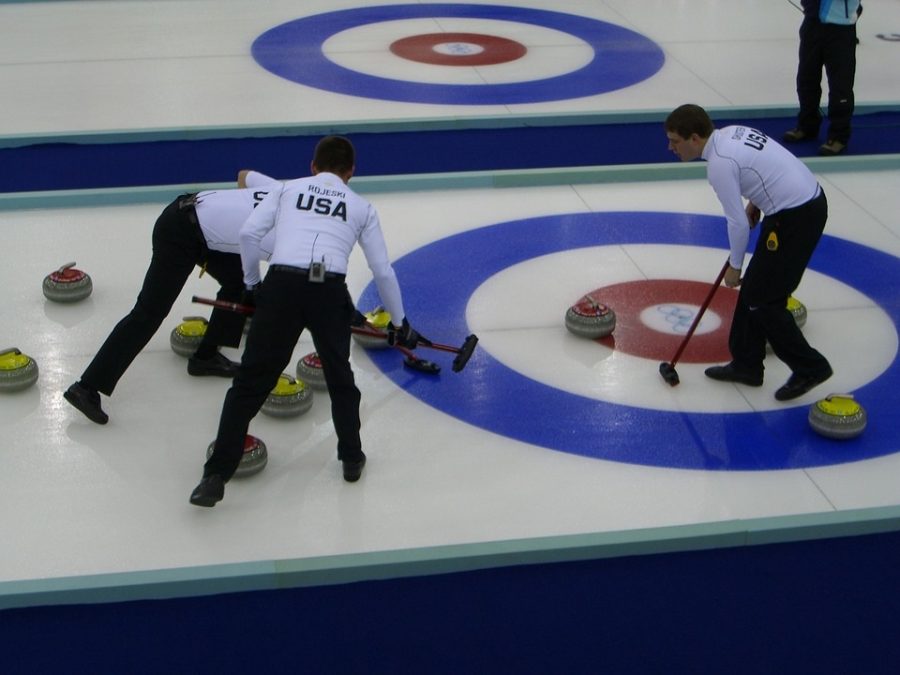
(317,222)
(743,162)
(195,229)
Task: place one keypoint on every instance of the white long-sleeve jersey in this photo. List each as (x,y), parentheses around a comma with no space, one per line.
(744,162)
(221,213)
(320,219)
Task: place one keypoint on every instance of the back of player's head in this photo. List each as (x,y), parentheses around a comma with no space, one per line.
(689,119)
(334,154)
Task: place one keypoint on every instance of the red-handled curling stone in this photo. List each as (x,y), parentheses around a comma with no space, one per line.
(254,460)
(67,284)
(309,370)
(17,370)
(590,319)
(187,336)
(289,398)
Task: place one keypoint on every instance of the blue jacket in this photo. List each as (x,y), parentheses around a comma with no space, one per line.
(844,12)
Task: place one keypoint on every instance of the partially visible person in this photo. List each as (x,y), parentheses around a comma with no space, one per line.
(195,229)
(827,40)
(744,163)
(317,222)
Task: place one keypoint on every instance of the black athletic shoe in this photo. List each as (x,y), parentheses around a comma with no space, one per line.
(729,373)
(87,401)
(353,470)
(210,490)
(797,385)
(216,365)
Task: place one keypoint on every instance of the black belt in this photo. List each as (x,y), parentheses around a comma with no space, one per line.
(187,204)
(305,272)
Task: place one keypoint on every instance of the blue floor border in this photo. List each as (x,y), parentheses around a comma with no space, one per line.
(207,156)
(825,606)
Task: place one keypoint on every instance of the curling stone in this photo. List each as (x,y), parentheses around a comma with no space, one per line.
(186,336)
(289,398)
(797,310)
(590,319)
(309,370)
(67,284)
(378,320)
(254,460)
(837,416)
(17,370)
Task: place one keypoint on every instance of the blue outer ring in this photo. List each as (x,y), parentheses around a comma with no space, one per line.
(293,51)
(438,280)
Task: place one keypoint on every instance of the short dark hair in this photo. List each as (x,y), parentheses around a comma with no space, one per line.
(689,119)
(334,154)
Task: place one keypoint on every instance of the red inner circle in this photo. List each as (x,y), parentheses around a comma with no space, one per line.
(633,337)
(421,48)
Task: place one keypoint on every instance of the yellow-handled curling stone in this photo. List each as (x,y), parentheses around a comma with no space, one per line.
(187,336)
(289,398)
(837,416)
(378,320)
(797,310)
(17,370)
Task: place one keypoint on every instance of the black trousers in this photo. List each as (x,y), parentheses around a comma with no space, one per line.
(772,275)
(178,246)
(833,47)
(287,304)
